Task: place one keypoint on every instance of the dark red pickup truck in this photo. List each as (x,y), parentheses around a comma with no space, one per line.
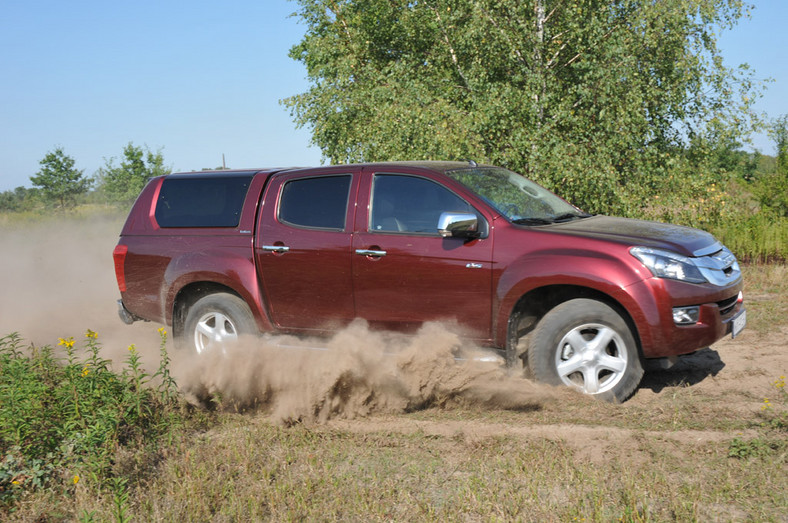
(578,299)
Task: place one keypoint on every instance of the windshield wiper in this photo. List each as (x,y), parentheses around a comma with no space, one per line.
(568,216)
(532,221)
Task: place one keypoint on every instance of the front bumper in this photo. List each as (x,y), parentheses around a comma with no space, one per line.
(651,304)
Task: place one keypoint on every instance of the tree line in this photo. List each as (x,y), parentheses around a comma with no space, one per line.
(61,186)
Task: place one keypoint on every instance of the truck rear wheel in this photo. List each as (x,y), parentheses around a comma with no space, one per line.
(215,320)
(587,345)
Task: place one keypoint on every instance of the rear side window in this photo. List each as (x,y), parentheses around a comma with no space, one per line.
(202,201)
(315,202)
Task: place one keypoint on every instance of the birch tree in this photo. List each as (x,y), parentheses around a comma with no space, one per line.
(596,99)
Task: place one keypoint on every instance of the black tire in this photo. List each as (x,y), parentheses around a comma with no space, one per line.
(215,320)
(587,345)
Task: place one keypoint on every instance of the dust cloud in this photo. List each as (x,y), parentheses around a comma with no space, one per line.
(356,373)
(57,280)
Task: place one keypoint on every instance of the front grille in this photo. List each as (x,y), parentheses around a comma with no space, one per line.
(719,268)
(728,305)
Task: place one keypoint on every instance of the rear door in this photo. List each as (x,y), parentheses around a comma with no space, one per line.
(303,249)
(404,272)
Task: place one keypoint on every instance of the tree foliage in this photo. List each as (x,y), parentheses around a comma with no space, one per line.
(598,99)
(59,181)
(19,199)
(772,190)
(122,183)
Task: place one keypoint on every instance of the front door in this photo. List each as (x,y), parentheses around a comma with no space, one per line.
(404,272)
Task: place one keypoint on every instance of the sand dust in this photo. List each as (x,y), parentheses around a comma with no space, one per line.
(57,280)
(358,372)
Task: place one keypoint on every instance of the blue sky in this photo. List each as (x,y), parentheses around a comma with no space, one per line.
(204,78)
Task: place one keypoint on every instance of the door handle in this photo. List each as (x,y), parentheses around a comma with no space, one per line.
(370,252)
(275,248)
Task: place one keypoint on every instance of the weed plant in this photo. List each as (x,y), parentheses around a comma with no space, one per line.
(773,433)
(755,238)
(65,416)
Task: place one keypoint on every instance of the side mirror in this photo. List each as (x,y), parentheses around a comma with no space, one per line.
(458,225)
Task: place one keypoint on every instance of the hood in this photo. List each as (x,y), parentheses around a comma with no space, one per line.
(683,240)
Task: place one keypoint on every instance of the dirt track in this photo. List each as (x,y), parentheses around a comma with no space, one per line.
(58,281)
(729,380)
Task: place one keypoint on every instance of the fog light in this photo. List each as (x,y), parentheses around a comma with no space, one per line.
(685,315)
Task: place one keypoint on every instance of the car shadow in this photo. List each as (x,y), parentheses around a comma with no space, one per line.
(688,370)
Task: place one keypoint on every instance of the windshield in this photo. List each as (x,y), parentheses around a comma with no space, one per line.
(514,196)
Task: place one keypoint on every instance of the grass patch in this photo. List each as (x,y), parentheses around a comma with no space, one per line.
(755,238)
(247,469)
(765,296)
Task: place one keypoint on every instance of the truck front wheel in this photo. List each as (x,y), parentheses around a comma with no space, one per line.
(587,345)
(215,320)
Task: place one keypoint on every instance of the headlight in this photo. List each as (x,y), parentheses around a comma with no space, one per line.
(666,264)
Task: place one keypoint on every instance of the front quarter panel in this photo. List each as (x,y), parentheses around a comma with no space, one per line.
(534,259)
(528,259)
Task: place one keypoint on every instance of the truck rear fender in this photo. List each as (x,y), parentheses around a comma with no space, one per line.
(194,275)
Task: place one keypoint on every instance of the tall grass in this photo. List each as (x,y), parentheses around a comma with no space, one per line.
(755,238)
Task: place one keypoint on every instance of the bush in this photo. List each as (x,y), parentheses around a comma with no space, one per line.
(62,419)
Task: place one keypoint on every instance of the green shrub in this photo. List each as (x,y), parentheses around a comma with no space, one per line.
(60,417)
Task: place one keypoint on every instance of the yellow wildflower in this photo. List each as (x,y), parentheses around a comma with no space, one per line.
(76,479)
(162,331)
(15,482)
(91,334)
(132,348)
(85,370)
(67,343)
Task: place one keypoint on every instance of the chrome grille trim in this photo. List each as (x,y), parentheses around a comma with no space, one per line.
(711,249)
(721,268)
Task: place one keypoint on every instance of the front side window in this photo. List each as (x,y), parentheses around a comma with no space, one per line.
(410,204)
(319,202)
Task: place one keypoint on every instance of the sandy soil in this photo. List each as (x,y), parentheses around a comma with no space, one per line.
(57,280)
(730,380)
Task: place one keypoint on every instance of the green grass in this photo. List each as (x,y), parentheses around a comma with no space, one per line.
(755,238)
(246,469)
